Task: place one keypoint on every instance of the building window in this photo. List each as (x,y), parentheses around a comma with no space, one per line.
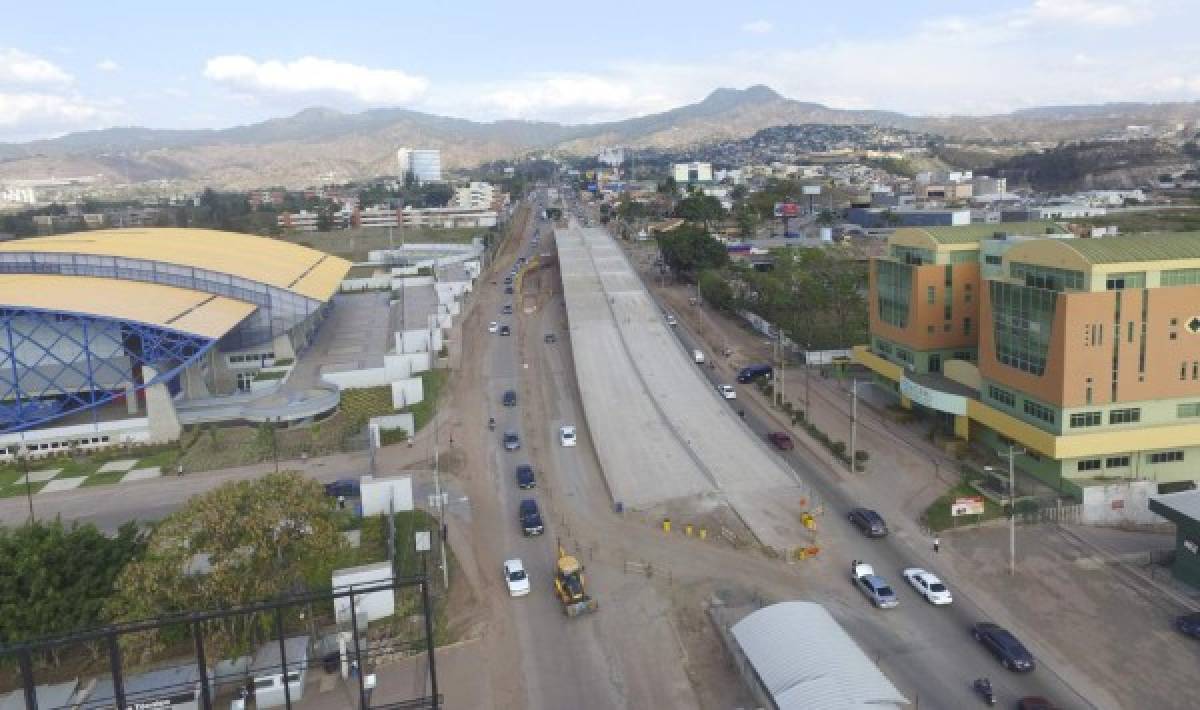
(1083,419)
(1166,457)
(894,284)
(1046,277)
(1116,462)
(904,356)
(1116,282)
(946,327)
(929,329)
(993,260)
(1022,323)
(882,347)
(1179,277)
(964,355)
(931,295)
(1183,370)
(1088,465)
(1038,411)
(1125,416)
(966,326)
(1002,396)
(967,292)
(1191,409)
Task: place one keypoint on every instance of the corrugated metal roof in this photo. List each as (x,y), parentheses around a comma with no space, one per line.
(178,309)
(297,268)
(808,662)
(971,233)
(1164,246)
(1186,503)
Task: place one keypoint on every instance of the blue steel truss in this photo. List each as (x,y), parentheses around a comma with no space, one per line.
(53,364)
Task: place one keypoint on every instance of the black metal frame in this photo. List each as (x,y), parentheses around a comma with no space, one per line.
(111,634)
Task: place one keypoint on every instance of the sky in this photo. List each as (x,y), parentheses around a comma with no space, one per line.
(79,64)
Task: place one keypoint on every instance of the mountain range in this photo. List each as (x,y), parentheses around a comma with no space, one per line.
(298,150)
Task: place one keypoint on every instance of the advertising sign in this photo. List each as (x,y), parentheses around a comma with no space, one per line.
(787,209)
(970,505)
(811,189)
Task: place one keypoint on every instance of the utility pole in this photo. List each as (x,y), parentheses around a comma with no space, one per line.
(1012,508)
(782,368)
(807,350)
(853,421)
(437,481)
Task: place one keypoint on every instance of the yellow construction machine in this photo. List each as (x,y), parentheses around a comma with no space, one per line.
(569,585)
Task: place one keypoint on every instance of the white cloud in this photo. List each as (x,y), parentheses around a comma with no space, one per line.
(314,76)
(565,96)
(758,27)
(1103,13)
(37,113)
(17,67)
(107,65)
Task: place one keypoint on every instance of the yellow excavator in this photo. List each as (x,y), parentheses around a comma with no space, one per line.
(569,585)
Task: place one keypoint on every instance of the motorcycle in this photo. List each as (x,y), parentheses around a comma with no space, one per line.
(983,686)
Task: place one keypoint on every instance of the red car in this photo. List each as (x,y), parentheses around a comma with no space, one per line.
(781,440)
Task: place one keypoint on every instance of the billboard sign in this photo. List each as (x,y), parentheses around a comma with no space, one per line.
(969,505)
(787,209)
(811,189)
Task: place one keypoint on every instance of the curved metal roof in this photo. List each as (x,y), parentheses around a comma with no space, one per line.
(807,661)
(178,309)
(296,268)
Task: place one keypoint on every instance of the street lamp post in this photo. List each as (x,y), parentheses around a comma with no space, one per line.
(1012,507)
(274,443)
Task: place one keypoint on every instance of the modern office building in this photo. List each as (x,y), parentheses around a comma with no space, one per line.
(104,333)
(692,173)
(1084,353)
(425,165)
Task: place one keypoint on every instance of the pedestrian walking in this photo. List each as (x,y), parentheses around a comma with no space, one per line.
(937,544)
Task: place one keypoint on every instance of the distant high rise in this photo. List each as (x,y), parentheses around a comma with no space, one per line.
(424,164)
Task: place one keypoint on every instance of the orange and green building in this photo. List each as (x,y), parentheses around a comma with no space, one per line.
(1083,352)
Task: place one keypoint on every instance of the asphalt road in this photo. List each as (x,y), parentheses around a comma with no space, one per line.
(928,651)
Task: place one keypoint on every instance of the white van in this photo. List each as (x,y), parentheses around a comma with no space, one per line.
(698,356)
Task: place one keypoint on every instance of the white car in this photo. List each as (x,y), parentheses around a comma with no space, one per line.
(928,585)
(493,327)
(566,435)
(515,577)
(727,391)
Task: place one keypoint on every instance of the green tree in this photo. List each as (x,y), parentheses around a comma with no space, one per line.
(55,579)
(700,208)
(689,249)
(715,290)
(259,539)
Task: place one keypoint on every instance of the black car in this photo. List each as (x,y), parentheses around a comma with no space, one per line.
(1011,653)
(505,330)
(508,289)
(530,517)
(870,522)
(512,441)
(508,279)
(509,398)
(1189,624)
(342,488)
(525,478)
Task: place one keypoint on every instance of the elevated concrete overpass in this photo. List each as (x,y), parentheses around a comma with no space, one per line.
(660,430)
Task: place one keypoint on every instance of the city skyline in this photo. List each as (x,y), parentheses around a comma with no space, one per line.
(92,69)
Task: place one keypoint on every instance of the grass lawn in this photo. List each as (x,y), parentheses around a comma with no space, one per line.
(100,479)
(18,489)
(938,517)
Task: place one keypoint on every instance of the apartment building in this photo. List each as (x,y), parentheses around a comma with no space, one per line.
(474,196)
(1083,352)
